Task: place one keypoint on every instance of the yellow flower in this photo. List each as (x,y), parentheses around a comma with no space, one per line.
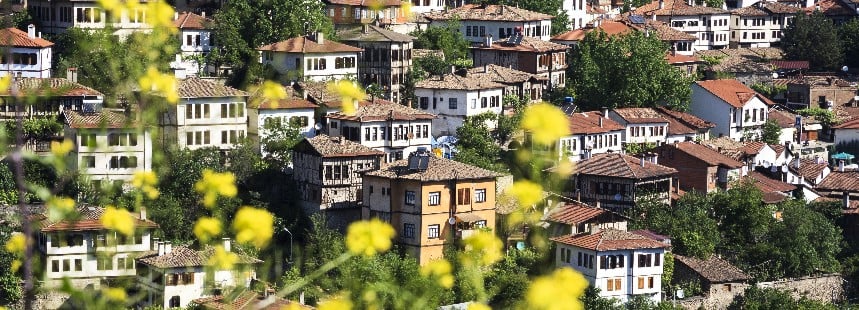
(338,303)
(369,237)
(557,291)
(115,294)
(527,193)
(406,8)
(119,220)
(273,91)
(160,83)
(291,306)
(478,306)
(440,270)
(5,82)
(565,168)
(60,149)
(255,226)
(223,260)
(60,207)
(16,244)
(214,184)
(113,6)
(16,264)
(483,246)
(160,15)
(349,93)
(546,123)
(207,228)
(146,181)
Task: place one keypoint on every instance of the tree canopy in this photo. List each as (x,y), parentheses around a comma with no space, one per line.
(813,38)
(848,34)
(445,38)
(625,71)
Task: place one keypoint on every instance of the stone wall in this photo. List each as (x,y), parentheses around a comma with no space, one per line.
(825,288)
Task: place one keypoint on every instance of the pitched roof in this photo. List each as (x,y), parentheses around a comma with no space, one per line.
(831,8)
(373,33)
(765,8)
(195,87)
(726,146)
(305,45)
(767,184)
(18,38)
(676,8)
(667,33)
(840,181)
(189,20)
(609,240)
(705,154)
(576,212)
(367,3)
(610,27)
(682,122)
(808,168)
(89,219)
(675,59)
(54,87)
(746,60)
(101,119)
(731,91)
(592,122)
(488,13)
(182,256)
(713,269)
(499,74)
(455,81)
(528,44)
(439,169)
(247,300)
(784,119)
(621,166)
(327,146)
(289,103)
(639,115)
(381,110)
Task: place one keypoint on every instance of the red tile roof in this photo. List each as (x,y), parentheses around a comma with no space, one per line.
(851,124)
(18,38)
(622,166)
(639,115)
(589,122)
(292,103)
(713,269)
(89,219)
(675,59)
(367,3)
(840,181)
(790,64)
(327,146)
(705,154)
(731,91)
(488,12)
(808,168)
(54,87)
(831,8)
(248,300)
(577,212)
(682,122)
(767,184)
(305,45)
(609,240)
(102,119)
(189,20)
(610,27)
(182,256)
(529,44)
(676,8)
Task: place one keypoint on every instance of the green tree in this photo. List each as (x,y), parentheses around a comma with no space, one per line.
(10,283)
(756,298)
(813,38)
(808,241)
(771,132)
(475,144)
(693,230)
(848,34)
(277,145)
(625,71)
(446,38)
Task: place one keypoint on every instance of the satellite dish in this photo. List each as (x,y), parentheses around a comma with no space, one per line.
(679,293)
(775,75)
(618,197)
(451,220)
(844,68)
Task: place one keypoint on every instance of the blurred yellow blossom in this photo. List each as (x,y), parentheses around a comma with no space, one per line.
(16,263)
(483,246)
(527,193)
(439,269)
(478,306)
(118,219)
(273,91)
(60,207)
(255,226)
(349,93)
(214,184)
(160,14)
(369,237)
(339,303)
(5,82)
(565,168)
(207,228)
(160,83)
(545,123)
(406,8)
(16,244)
(291,306)
(223,260)
(146,181)
(557,291)
(113,6)
(115,294)
(60,149)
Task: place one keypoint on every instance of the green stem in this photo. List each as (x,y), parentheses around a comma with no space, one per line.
(315,274)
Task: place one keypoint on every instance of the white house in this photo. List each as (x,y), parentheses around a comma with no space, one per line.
(846,132)
(476,21)
(195,32)
(737,110)
(84,251)
(294,111)
(208,114)
(173,277)
(65,94)
(761,24)
(581,12)
(590,133)
(453,98)
(25,54)
(312,58)
(643,125)
(55,16)
(109,147)
(384,126)
(620,263)
(683,126)
(711,26)
(425,6)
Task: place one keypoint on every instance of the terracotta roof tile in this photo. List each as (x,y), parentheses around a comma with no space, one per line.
(373,33)
(528,44)
(713,269)
(621,166)
(455,81)
(200,88)
(610,27)
(18,38)
(89,219)
(102,119)
(189,20)
(639,115)
(841,181)
(439,169)
(731,91)
(784,119)
(382,110)
(589,122)
(488,12)
(767,184)
(55,87)
(366,3)
(808,168)
(676,8)
(675,59)
(306,45)
(182,256)
(499,74)
(682,122)
(751,60)
(574,213)
(327,146)
(831,8)
(609,240)
(248,300)
(705,154)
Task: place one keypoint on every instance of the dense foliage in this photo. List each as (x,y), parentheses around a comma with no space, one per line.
(446,38)
(848,34)
(813,38)
(770,298)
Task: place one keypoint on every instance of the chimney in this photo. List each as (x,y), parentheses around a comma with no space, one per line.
(176,15)
(160,246)
(227,244)
(796,163)
(40,34)
(654,158)
(846,200)
(320,37)
(365,28)
(72,74)
(600,122)
(155,242)
(661,4)
(488,40)
(605,112)
(452,69)
(31,31)
(642,161)
(203,13)
(142,213)
(841,165)
(168,247)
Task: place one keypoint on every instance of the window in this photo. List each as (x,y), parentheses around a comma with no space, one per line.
(432,231)
(120,263)
(451,103)
(463,196)
(410,198)
(644,260)
(197,111)
(657,259)
(88,140)
(649,282)
(104,263)
(480,195)
(174,302)
(613,284)
(79,264)
(87,161)
(434,198)
(408,231)
(55,266)
(123,162)
(640,282)
(66,265)
(481,224)
(122,139)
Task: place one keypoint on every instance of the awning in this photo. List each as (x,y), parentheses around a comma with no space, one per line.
(468,217)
